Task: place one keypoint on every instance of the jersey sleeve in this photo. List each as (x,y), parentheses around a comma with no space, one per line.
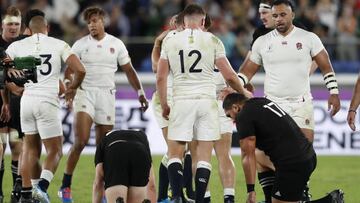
(99,154)
(164,49)
(316,44)
(244,124)
(66,51)
(10,51)
(219,48)
(123,57)
(255,55)
(76,48)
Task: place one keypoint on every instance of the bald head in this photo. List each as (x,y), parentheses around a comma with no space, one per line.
(38,24)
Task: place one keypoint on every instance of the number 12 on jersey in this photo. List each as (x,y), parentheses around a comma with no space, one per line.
(275,108)
(193,66)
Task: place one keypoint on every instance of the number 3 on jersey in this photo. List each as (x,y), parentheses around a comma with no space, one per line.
(193,66)
(45,59)
(275,108)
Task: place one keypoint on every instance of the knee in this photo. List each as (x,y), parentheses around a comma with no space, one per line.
(79,145)
(55,152)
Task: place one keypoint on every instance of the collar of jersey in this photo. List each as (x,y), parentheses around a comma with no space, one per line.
(288,35)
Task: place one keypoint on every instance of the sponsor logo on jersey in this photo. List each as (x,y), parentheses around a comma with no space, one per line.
(99,46)
(108,118)
(112,50)
(83,106)
(284,42)
(299,45)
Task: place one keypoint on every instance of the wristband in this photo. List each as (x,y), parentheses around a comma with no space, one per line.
(250,187)
(352,110)
(331,83)
(243,79)
(141,92)
(66,81)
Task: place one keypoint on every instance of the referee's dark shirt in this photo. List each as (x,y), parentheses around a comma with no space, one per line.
(276,132)
(120,136)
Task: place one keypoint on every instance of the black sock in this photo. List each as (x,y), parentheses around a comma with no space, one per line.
(44,184)
(229,198)
(266,180)
(26,192)
(163,182)
(188,177)
(2,170)
(66,181)
(175,171)
(14,170)
(202,177)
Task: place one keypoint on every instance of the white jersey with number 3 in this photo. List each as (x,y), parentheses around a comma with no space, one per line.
(191,55)
(286,61)
(50,50)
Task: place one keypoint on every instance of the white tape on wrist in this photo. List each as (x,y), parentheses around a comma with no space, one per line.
(243,79)
(331,83)
(141,92)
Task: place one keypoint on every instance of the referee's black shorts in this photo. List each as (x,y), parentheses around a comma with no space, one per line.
(291,179)
(128,164)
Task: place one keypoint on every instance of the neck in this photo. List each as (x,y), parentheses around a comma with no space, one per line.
(99,36)
(288,31)
(6,39)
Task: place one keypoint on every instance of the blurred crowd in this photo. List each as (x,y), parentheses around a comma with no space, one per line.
(337,22)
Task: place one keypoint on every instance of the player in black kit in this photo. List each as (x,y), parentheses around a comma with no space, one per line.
(262,124)
(123,162)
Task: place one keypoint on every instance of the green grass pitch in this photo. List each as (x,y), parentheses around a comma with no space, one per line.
(331,172)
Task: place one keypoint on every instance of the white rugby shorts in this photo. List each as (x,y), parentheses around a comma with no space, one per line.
(194,119)
(40,115)
(226,124)
(98,103)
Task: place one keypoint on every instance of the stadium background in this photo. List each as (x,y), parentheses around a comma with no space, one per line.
(137,22)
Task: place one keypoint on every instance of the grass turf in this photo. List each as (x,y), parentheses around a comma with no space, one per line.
(331,172)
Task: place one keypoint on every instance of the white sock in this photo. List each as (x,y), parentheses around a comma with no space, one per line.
(47,175)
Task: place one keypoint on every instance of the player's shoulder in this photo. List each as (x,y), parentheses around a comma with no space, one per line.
(304,33)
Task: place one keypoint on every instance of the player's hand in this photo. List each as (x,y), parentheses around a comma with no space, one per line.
(5,113)
(13,88)
(247,93)
(224,92)
(251,198)
(351,120)
(250,87)
(143,102)
(14,73)
(333,104)
(69,97)
(166,111)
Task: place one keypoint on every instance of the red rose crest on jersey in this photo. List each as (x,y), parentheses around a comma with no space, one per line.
(298,45)
(112,50)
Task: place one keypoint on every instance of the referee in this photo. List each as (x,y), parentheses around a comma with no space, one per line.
(123,162)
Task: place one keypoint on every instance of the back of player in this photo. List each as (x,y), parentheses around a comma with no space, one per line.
(48,73)
(279,136)
(191,57)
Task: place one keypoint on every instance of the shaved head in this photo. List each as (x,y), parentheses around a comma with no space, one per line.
(38,24)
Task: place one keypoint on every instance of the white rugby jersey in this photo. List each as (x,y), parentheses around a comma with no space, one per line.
(50,50)
(100,58)
(286,61)
(191,55)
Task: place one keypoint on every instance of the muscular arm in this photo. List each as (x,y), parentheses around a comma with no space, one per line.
(354,104)
(155,53)
(248,67)
(230,76)
(323,61)
(132,76)
(247,146)
(161,83)
(77,68)
(98,185)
